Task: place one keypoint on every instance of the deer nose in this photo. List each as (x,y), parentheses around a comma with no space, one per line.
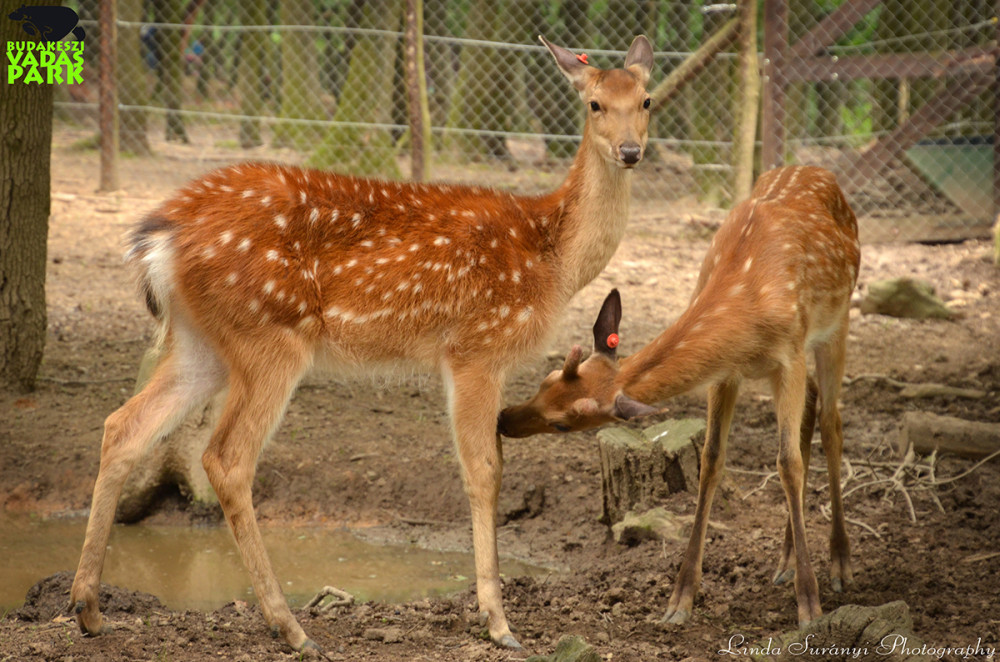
(630,153)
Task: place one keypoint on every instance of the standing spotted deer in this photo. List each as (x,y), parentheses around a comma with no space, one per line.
(259,272)
(776,282)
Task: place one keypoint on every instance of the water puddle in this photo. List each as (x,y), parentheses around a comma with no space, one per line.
(200,568)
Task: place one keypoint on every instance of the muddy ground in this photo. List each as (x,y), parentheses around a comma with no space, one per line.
(377,457)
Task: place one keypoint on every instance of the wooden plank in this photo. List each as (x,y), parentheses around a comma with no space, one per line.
(832,28)
(694,63)
(908,229)
(996,134)
(888,65)
(885,153)
(772,76)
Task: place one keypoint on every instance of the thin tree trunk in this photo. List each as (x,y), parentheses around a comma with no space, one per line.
(416,84)
(749,101)
(25,144)
(172,69)
(132,82)
(299,78)
(366,98)
(249,72)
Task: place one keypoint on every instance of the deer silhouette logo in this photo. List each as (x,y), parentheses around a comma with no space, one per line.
(48,23)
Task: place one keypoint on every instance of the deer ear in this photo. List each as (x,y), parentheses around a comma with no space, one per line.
(626,408)
(575,70)
(606,326)
(639,59)
(588,408)
(569,370)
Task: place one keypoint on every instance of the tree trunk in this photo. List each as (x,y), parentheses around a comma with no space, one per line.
(713,122)
(249,72)
(416,84)
(749,101)
(365,98)
(300,79)
(477,101)
(171,67)
(25,143)
(553,100)
(132,86)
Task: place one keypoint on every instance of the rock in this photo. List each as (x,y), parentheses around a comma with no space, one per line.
(570,648)
(655,524)
(852,632)
(385,635)
(904,297)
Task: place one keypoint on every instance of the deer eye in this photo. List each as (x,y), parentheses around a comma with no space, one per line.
(645,104)
(559,427)
(594,106)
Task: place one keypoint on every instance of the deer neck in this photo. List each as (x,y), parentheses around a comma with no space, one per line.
(697,349)
(592,208)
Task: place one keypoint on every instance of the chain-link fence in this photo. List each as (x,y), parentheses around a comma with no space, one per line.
(893,92)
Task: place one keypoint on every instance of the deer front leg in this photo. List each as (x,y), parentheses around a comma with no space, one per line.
(474,400)
(721,403)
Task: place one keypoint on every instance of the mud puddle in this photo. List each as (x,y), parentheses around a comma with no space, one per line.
(200,568)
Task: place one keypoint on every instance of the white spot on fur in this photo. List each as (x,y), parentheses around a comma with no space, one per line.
(268,287)
(281,221)
(244,245)
(225,237)
(271,255)
(231,278)
(441,241)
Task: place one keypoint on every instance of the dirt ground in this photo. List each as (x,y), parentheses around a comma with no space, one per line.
(377,457)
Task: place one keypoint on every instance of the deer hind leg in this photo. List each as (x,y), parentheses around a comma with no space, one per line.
(721,403)
(789,395)
(259,391)
(830,371)
(474,400)
(786,569)
(187,375)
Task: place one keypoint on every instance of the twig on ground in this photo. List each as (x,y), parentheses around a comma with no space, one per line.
(342,599)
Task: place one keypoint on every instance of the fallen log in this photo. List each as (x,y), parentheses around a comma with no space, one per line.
(928,432)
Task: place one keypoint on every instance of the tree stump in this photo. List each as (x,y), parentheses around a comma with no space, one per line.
(172,462)
(640,469)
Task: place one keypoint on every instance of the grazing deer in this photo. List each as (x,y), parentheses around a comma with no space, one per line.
(259,272)
(776,282)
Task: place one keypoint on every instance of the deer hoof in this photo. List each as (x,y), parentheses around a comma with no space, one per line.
(89,619)
(508,641)
(677,617)
(783,577)
(837,585)
(311,650)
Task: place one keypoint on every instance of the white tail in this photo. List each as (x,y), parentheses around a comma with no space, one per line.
(259,272)
(776,282)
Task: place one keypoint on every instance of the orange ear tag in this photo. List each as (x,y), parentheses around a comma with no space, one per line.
(613,340)
(582,57)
